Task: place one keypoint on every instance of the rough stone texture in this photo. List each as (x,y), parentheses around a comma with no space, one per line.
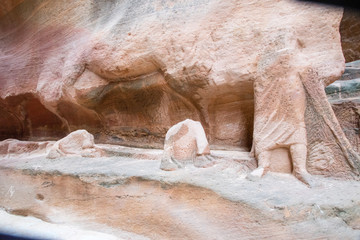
(185,143)
(327,142)
(13,147)
(344,96)
(79,142)
(251,72)
(132,195)
(24,115)
(127,71)
(348,114)
(350,34)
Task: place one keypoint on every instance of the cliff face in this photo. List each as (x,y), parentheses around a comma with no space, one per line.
(127,71)
(133,69)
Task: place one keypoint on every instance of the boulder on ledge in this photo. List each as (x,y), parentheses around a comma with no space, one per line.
(79,142)
(186,143)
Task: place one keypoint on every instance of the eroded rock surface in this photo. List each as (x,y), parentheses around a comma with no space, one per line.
(186,143)
(79,142)
(14,147)
(135,196)
(344,96)
(253,73)
(348,114)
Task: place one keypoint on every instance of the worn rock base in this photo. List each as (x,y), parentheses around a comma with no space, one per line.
(127,196)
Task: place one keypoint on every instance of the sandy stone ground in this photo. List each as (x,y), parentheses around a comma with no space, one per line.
(129,194)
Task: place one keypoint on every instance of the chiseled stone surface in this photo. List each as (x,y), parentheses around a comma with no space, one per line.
(252,73)
(127,71)
(79,142)
(186,143)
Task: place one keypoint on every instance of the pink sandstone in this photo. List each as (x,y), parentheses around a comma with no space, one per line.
(79,142)
(253,73)
(186,143)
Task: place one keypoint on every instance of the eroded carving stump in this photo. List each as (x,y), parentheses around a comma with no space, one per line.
(186,143)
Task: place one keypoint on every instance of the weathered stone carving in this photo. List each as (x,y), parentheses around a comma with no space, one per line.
(246,70)
(186,143)
(251,75)
(79,143)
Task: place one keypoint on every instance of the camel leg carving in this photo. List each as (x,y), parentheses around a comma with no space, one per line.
(317,99)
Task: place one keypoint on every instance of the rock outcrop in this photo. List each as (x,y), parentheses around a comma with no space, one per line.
(80,143)
(127,71)
(186,143)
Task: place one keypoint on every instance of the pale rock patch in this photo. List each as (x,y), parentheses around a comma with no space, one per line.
(186,143)
(79,142)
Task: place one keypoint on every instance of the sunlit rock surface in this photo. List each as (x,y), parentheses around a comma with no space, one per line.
(128,71)
(186,143)
(80,143)
(252,73)
(115,195)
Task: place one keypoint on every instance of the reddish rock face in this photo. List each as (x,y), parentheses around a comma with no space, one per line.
(128,71)
(25,117)
(350,35)
(13,147)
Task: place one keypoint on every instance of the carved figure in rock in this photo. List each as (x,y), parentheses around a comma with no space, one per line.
(279,87)
(79,142)
(129,70)
(285,128)
(186,143)
(288,91)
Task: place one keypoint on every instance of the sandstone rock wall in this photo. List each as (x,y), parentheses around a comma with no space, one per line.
(132,70)
(127,71)
(350,34)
